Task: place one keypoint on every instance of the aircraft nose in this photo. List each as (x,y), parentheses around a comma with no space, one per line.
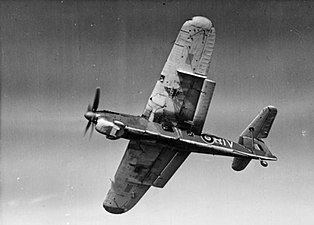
(113,210)
(89,115)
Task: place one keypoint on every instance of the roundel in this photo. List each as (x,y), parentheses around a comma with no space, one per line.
(208,139)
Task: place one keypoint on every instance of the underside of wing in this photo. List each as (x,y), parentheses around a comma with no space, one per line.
(192,49)
(144,164)
(183,93)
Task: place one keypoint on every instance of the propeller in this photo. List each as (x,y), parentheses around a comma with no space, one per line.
(90,113)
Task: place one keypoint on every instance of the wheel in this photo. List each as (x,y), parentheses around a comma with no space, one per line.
(264,164)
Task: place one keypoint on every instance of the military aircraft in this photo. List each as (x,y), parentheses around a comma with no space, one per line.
(171,125)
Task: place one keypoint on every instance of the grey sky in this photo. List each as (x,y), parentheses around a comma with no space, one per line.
(54,55)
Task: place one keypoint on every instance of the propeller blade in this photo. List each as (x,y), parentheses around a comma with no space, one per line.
(88,125)
(96,100)
(91,132)
(89,108)
(90,114)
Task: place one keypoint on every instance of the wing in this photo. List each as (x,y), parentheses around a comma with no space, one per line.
(262,123)
(180,98)
(183,93)
(144,164)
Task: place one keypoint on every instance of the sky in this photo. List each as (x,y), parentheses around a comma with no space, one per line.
(55,53)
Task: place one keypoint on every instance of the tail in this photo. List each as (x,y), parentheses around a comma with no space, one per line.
(251,138)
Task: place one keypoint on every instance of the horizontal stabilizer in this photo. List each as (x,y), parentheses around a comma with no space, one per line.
(261,124)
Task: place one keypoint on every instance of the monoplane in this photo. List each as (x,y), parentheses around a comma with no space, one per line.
(171,126)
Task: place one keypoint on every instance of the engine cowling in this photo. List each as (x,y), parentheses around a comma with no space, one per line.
(112,130)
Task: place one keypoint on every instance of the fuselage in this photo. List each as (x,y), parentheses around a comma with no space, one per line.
(117,125)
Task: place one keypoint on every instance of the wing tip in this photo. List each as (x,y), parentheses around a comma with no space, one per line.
(114,210)
(271,108)
(200,21)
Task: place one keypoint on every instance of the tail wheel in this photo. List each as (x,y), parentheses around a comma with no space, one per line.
(264,164)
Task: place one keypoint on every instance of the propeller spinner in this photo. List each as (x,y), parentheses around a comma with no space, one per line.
(90,113)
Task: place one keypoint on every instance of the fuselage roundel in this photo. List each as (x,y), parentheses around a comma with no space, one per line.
(214,140)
